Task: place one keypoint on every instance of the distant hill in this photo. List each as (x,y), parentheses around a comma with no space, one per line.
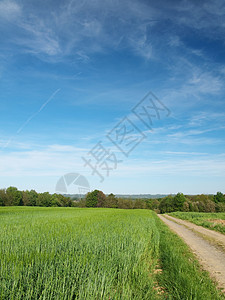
(141,196)
(125,196)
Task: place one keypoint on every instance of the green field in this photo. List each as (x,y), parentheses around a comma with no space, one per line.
(72,253)
(215,221)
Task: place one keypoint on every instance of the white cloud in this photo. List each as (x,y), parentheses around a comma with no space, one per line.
(79,27)
(205,118)
(57,160)
(141,46)
(184,153)
(205,82)
(182,134)
(174,41)
(74,27)
(9,9)
(188,164)
(82,56)
(206,16)
(41,39)
(50,160)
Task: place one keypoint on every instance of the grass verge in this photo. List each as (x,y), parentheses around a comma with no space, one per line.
(182,275)
(207,220)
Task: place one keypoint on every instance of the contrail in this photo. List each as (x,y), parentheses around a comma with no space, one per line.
(31,117)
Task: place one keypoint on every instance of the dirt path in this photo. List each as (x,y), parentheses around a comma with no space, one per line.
(213,236)
(211,258)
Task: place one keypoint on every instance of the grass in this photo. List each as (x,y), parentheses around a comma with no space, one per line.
(203,219)
(182,275)
(72,253)
(68,253)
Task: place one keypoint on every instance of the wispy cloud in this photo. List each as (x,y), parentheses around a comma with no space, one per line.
(55,160)
(9,9)
(184,153)
(79,28)
(105,55)
(40,39)
(194,132)
(50,160)
(205,118)
(205,83)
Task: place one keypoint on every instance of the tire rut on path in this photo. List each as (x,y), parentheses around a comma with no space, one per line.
(214,236)
(211,259)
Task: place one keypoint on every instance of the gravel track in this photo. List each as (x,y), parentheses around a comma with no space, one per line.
(210,257)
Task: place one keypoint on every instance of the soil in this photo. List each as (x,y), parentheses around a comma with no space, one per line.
(217,221)
(204,243)
(215,237)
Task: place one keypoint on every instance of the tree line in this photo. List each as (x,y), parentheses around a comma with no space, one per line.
(180,202)
(13,197)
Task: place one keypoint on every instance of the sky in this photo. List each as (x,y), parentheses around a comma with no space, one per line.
(129,95)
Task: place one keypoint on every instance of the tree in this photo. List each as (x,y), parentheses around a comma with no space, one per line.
(166,204)
(204,203)
(33,195)
(111,201)
(152,204)
(220,207)
(30,198)
(80,203)
(186,206)
(101,197)
(178,202)
(139,204)
(14,197)
(95,198)
(25,195)
(210,206)
(55,200)
(65,201)
(125,203)
(3,199)
(194,206)
(44,199)
(219,197)
(92,199)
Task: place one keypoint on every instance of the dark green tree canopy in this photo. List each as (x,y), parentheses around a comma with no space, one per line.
(95,198)
(219,197)
(166,204)
(178,202)
(13,196)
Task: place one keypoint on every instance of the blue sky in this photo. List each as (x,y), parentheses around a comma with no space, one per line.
(70,71)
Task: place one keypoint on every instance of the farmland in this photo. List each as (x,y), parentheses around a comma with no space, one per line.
(80,253)
(214,221)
